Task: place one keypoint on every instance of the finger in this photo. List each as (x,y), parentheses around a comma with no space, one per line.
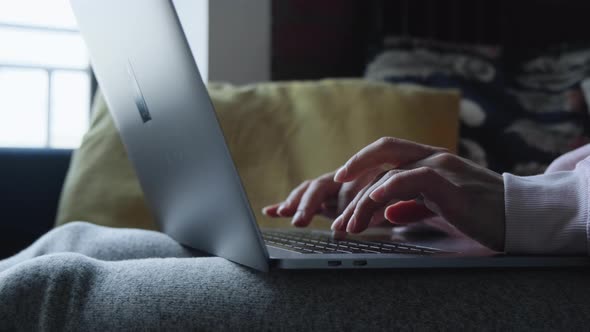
(271,210)
(341,223)
(289,206)
(317,193)
(378,217)
(406,212)
(347,218)
(349,191)
(329,209)
(385,151)
(423,181)
(365,207)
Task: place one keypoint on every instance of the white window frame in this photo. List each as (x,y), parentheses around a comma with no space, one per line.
(49,70)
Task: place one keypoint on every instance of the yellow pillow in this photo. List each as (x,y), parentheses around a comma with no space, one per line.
(279,134)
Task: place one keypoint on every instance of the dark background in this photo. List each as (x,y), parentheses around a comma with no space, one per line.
(336,38)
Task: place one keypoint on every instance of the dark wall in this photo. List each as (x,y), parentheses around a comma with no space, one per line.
(336,38)
(317,39)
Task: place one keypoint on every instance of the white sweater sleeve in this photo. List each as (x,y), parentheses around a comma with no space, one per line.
(548,214)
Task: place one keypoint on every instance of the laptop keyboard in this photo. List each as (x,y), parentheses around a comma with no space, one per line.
(313,243)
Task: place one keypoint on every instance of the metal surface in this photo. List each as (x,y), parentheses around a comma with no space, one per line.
(467,254)
(414,262)
(180,156)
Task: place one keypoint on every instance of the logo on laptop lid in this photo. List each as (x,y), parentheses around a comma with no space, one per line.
(138,98)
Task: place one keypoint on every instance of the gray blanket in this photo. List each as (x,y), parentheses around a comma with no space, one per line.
(85,277)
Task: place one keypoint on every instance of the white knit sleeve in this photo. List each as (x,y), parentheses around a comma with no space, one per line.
(547,214)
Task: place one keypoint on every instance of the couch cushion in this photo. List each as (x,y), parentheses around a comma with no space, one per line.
(279,134)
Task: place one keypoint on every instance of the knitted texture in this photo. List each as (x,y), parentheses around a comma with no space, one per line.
(114,286)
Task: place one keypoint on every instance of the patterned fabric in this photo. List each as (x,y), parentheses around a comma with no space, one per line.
(514,118)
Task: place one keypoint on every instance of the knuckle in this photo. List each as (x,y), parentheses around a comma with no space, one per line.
(390,176)
(386,142)
(392,173)
(316,184)
(426,171)
(325,179)
(393,180)
(446,159)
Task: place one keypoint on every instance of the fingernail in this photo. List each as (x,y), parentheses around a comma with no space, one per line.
(281,209)
(342,226)
(336,224)
(351,225)
(340,174)
(377,194)
(264,210)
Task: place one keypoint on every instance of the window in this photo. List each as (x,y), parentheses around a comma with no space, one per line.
(45,79)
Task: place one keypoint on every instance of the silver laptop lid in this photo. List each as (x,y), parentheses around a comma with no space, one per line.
(169,128)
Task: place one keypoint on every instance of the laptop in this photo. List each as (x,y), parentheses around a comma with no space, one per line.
(143,62)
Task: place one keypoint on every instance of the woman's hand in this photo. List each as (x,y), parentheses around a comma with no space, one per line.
(467,195)
(322,196)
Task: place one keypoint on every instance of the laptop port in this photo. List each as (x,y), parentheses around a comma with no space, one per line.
(334,263)
(359,263)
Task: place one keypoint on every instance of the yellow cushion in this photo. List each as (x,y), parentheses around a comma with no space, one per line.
(279,134)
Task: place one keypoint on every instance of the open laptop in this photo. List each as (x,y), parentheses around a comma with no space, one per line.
(146,69)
